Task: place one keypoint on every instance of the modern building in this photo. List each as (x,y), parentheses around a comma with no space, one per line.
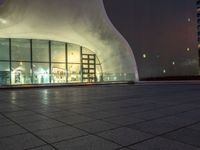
(61,41)
(198,23)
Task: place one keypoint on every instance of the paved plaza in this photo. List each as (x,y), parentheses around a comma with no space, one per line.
(106,117)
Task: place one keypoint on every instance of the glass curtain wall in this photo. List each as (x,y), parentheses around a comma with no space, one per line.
(74,60)
(58,62)
(40,61)
(4,62)
(4,73)
(20,62)
(26,61)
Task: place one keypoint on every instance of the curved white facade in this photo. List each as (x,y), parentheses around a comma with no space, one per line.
(83,22)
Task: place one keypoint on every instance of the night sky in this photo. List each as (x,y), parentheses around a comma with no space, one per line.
(163,30)
(162,34)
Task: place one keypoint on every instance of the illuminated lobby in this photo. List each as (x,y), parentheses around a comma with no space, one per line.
(43,62)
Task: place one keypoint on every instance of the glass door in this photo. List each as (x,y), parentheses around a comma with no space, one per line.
(88,62)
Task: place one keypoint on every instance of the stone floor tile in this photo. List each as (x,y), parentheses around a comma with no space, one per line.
(100,114)
(95,126)
(19,113)
(125,136)
(29,118)
(11,108)
(179,122)
(186,135)
(5,122)
(153,127)
(149,115)
(42,124)
(45,147)
(83,110)
(60,133)
(58,114)
(89,142)
(123,120)
(10,130)
(192,115)
(20,142)
(195,127)
(44,109)
(162,144)
(124,149)
(74,119)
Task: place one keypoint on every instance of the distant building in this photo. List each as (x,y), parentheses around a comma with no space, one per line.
(61,41)
(198,23)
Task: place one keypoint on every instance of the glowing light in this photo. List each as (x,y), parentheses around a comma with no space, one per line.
(164,71)
(189,19)
(144,56)
(173,63)
(188,49)
(3,21)
(14,96)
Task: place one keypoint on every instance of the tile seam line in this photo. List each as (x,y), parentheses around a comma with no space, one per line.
(171,131)
(89,133)
(29,131)
(65,124)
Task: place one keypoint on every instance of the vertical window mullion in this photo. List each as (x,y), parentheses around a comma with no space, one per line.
(10,59)
(50,73)
(31,53)
(95,78)
(66,61)
(81,63)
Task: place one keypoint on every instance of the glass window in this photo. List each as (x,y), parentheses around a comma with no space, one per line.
(58,73)
(99,74)
(85,66)
(92,70)
(97,61)
(74,73)
(40,73)
(91,56)
(92,66)
(40,51)
(85,56)
(86,70)
(4,73)
(21,73)
(73,53)
(85,61)
(58,52)
(4,49)
(20,50)
(87,51)
(92,62)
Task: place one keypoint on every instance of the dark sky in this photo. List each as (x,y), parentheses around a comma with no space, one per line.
(161,30)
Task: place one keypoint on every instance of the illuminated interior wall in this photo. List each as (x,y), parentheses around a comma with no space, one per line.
(83,22)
